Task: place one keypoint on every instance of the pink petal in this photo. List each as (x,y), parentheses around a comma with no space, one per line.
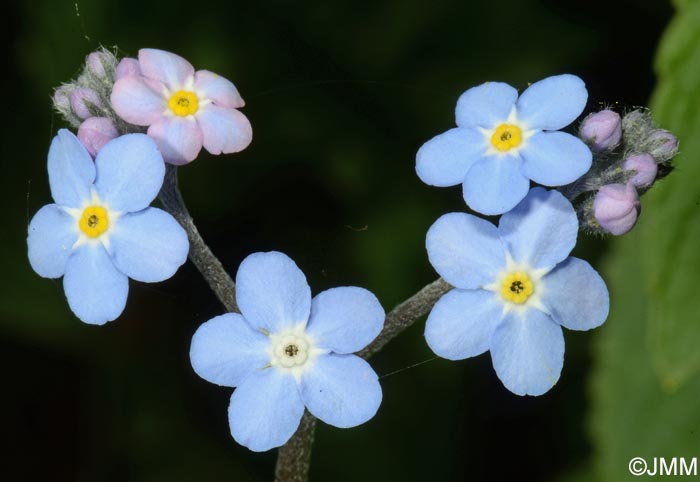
(179,139)
(166,67)
(95,132)
(209,85)
(127,67)
(137,102)
(225,130)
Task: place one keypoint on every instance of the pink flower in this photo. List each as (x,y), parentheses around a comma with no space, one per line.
(183,109)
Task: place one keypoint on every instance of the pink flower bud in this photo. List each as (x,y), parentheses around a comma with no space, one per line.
(127,67)
(100,63)
(616,207)
(645,167)
(81,98)
(601,130)
(95,132)
(664,145)
(61,99)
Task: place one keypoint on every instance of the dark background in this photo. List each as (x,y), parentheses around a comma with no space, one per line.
(341,94)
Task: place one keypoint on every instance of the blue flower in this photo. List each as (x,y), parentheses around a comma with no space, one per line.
(100,231)
(502,141)
(515,287)
(286,351)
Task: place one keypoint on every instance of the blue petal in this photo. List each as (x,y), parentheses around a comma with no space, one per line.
(485,105)
(149,245)
(225,350)
(555,158)
(575,295)
(341,390)
(52,234)
(445,159)
(465,250)
(541,231)
(272,292)
(71,170)
(552,103)
(495,184)
(95,289)
(345,319)
(130,172)
(265,410)
(527,350)
(462,323)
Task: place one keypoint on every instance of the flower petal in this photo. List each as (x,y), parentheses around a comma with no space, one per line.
(527,350)
(265,410)
(575,295)
(272,292)
(212,86)
(130,172)
(445,159)
(462,323)
(179,139)
(485,105)
(224,130)
(555,158)
(138,101)
(71,170)
(345,319)
(95,289)
(171,69)
(541,231)
(149,245)
(552,103)
(465,250)
(495,184)
(52,234)
(225,350)
(341,390)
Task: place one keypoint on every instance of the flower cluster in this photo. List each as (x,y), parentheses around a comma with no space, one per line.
(515,285)
(630,154)
(183,110)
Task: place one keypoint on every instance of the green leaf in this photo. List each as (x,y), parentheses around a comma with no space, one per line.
(647,377)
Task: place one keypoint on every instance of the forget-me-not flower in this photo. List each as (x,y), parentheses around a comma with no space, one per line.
(183,109)
(101,231)
(515,287)
(502,141)
(287,351)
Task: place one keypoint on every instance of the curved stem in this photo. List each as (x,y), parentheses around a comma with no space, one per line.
(208,265)
(294,457)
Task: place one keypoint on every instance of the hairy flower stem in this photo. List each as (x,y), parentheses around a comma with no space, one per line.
(208,265)
(294,457)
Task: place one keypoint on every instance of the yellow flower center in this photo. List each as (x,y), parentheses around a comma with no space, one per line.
(517,287)
(94,221)
(506,137)
(183,103)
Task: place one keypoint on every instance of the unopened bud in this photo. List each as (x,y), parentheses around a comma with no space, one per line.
(601,130)
(645,169)
(95,132)
(81,99)
(616,207)
(101,63)
(663,145)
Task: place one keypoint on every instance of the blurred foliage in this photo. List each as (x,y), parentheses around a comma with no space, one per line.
(341,94)
(647,381)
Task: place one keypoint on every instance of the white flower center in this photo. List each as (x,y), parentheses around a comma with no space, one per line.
(293,350)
